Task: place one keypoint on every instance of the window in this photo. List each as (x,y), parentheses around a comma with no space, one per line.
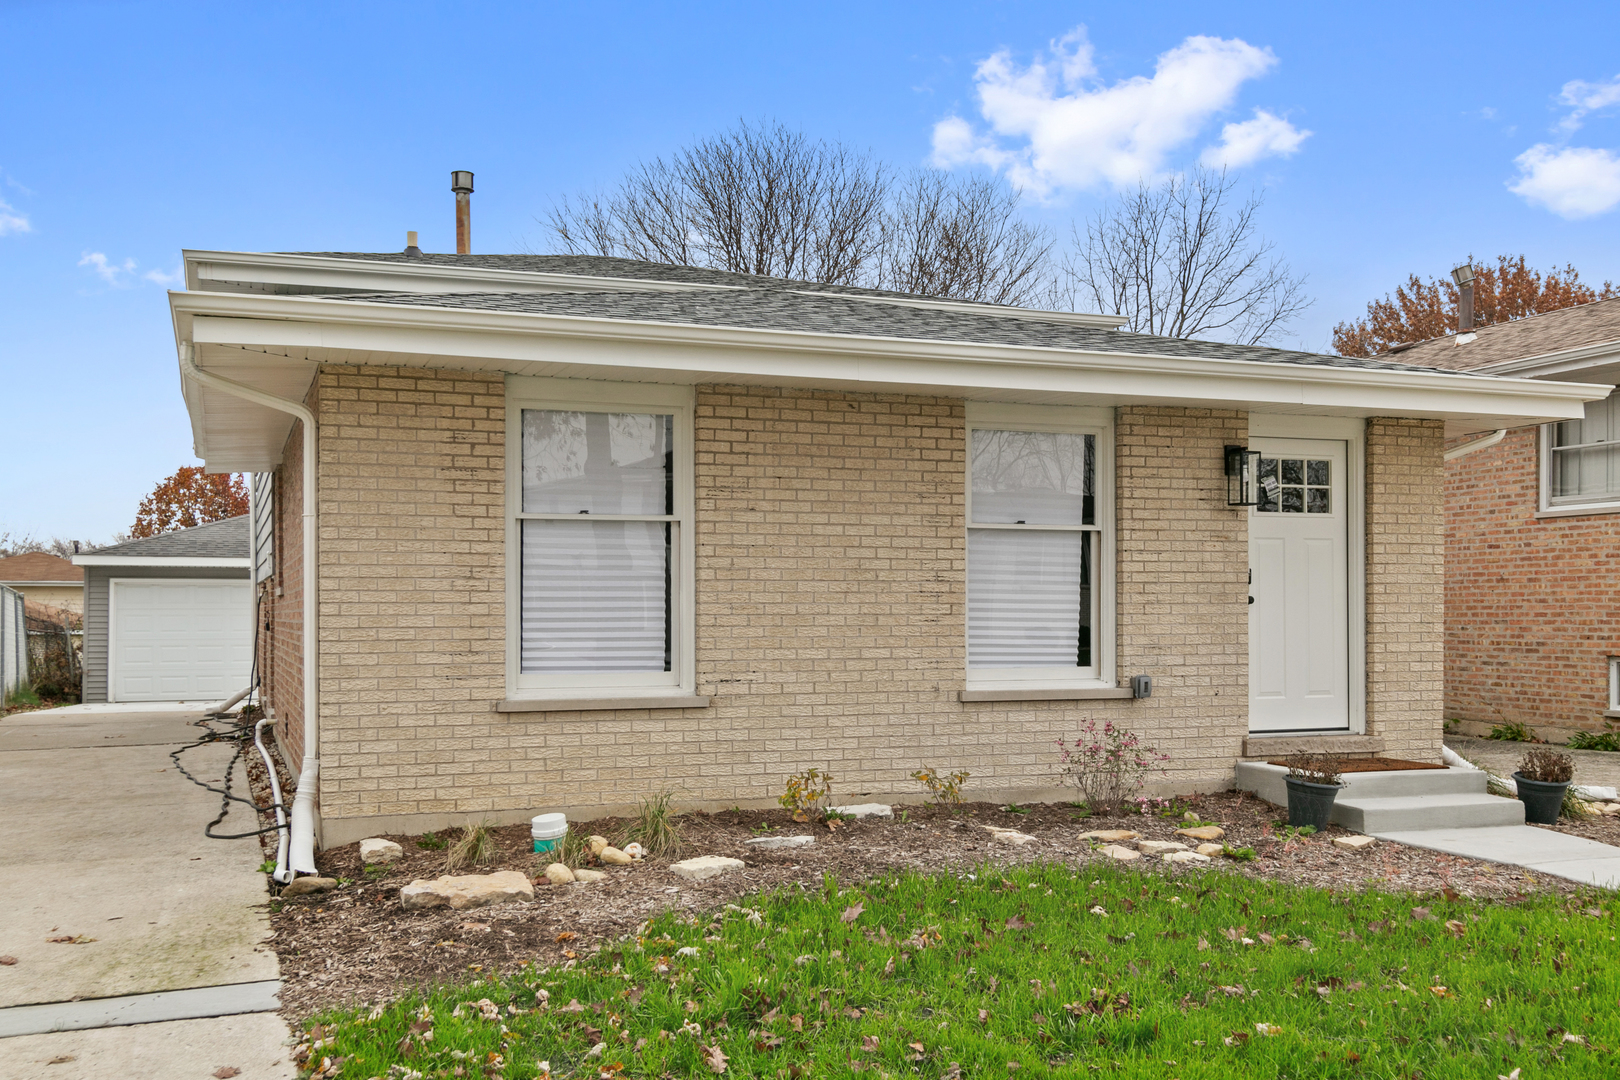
(1583,456)
(1614,684)
(1295,486)
(601,530)
(1038,552)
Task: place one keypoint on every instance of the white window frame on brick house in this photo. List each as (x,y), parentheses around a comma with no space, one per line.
(1614,688)
(1554,505)
(1074,420)
(579,395)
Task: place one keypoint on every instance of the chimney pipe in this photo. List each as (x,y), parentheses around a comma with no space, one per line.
(461,182)
(1464,277)
(411,250)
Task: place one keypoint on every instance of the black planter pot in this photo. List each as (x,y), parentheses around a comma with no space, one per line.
(1542,801)
(1310,804)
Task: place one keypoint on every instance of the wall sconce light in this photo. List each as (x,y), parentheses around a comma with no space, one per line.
(1242,476)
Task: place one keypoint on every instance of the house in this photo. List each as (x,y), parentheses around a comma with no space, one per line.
(45,579)
(1533,533)
(566,531)
(170,617)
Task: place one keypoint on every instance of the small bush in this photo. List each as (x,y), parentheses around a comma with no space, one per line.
(944,789)
(1595,740)
(1107,766)
(1240,854)
(806,795)
(476,847)
(430,842)
(652,828)
(1517,731)
(1547,766)
(1323,768)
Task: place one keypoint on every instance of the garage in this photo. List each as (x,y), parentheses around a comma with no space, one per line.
(169,618)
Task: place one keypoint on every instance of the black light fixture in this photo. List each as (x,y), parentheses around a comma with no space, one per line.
(1242,476)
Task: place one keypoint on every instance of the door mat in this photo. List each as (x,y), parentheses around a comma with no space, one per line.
(1381,764)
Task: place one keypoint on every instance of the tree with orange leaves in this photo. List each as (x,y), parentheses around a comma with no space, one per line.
(1421,310)
(190,497)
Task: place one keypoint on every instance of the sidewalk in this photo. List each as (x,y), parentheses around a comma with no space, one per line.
(104,842)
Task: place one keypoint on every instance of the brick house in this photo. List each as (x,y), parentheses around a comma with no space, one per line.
(586,529)
(1532,533)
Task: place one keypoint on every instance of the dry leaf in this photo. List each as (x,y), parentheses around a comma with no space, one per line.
(566,935)
(7,961)
(62,1059)
(714,1058)
(1018,922)
(952,1072)
(1456,927)
(984,1016)
(871,1042)
(1237,1038)
(1421,913)
(70,939)
(1268,1029)
(225,1072)
(852,913)
(797,1020)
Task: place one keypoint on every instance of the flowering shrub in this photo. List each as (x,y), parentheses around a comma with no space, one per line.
(806,795)
(1107,766)
(944,788)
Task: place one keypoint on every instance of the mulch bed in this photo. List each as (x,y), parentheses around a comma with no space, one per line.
(1353,765)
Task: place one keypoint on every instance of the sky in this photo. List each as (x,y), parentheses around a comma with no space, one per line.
(1385,138)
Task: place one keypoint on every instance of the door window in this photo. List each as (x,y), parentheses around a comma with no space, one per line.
(1296,486)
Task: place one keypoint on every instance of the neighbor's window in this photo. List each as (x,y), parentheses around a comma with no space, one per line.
(1584,456)
(1035,547)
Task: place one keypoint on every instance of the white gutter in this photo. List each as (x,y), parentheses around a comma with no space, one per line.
(302,857)
(1478,444)
(158,560)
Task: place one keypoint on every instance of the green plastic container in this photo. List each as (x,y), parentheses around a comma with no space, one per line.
(547,831)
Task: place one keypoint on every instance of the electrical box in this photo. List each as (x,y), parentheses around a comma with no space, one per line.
(1141,686)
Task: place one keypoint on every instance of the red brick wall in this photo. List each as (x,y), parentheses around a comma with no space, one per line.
(281,647)
(1531,605)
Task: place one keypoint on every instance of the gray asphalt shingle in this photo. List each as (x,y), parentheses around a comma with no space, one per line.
(227,539)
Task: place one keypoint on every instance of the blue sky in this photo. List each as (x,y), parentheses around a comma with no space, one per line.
(131,130)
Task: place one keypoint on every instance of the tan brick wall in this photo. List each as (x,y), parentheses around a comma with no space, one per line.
(1532,605)
(1405,585)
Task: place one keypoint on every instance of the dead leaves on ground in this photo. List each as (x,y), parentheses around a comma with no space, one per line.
(70,939)
(225,1072)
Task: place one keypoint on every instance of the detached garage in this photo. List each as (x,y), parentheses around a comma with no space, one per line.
(169,618)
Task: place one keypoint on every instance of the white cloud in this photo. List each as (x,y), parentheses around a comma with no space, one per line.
(13,220)
(1267,135)
(176,276)
(1587,97)
(1053,124)
(112,273)
(1571,181)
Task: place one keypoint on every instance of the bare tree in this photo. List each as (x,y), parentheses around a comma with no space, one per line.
(767,200)
(1179,259)
(26,544)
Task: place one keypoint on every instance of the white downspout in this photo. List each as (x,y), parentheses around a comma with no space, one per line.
(1478,444)
(301,859)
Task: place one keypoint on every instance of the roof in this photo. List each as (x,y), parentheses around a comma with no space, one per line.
(38,566)
(227,540)
(1596,323)
(771,307)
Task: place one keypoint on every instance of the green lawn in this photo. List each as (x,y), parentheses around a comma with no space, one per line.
(1021,973)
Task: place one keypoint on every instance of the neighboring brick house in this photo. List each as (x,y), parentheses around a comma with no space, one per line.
(45,579)
(587,529)
(1533,534)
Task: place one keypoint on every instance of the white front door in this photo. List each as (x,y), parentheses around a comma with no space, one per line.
(1299,664)
(173,640)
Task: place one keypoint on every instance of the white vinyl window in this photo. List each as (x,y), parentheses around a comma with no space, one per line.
(1582,457)
(600,498)
(1614,684)
(1039,547)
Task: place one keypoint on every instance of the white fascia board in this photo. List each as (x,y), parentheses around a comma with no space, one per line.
(529,343)
(43,584)
(158,560)
(1561,362)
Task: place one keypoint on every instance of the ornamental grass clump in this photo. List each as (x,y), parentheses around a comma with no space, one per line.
(475,847)
(1107,766)
(652,828)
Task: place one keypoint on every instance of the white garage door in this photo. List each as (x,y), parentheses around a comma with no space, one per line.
(178,640)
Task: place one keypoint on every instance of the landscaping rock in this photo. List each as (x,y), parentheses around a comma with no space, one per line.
(772,843)
(1354,843)
(1111,836)
(614,857)
(866,810)
(635,851)
(1203,832)
(1159,847)
(1123,854)
(377,851)
(705,867)
(304,886)
(1184,857)
(558,874)
(589,877)
(1210,849)
(1007,836)
(597,844)
(467,891)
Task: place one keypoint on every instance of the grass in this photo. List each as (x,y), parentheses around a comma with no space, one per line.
(21,696)
(1516,731)
(1209,976)
(475,847)
(430,842)
(651,827)
(1595,740)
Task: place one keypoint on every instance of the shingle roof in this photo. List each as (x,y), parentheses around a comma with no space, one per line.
(227,539)
(1596,323)
(39,566)
(785,309)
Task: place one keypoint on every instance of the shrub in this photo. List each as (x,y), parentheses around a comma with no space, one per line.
(430,842)
(1595,740)
(1547,766)
(1107,766)
(476,847)
(651,827)
(1323,768)
(807,794)
(1517,731)
(945,790)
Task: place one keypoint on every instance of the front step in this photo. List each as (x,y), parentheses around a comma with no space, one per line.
(1407,813)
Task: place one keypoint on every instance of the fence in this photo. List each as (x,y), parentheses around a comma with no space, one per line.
(55,657)
(13,642)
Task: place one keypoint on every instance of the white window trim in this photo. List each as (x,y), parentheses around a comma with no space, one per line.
(1614,687)
(1545,507)
(1080,420)
(580,395)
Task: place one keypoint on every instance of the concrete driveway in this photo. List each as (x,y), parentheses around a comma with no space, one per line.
(166,975)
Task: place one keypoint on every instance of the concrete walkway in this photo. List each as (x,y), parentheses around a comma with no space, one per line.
(1600,768)
(1559,854)
(104,842)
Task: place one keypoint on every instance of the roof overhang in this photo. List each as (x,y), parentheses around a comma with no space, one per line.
(1596,363)
(175,561)
(276,344)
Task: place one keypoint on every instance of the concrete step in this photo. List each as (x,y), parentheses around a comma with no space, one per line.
(1266,781)
(1406,813)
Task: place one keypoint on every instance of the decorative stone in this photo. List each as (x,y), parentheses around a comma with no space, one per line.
(1123,854)
(773,843)
(467,891)
(377,851)
(635,851)
(1210,849)
(866,810)
(1159,847)
(1111,836)
(1354,843)
(1203,832)
(597,844)
(705,867)
(304,886)
(1007,836)
(614,857)
(558,874)
(589,877)
(1184,857)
